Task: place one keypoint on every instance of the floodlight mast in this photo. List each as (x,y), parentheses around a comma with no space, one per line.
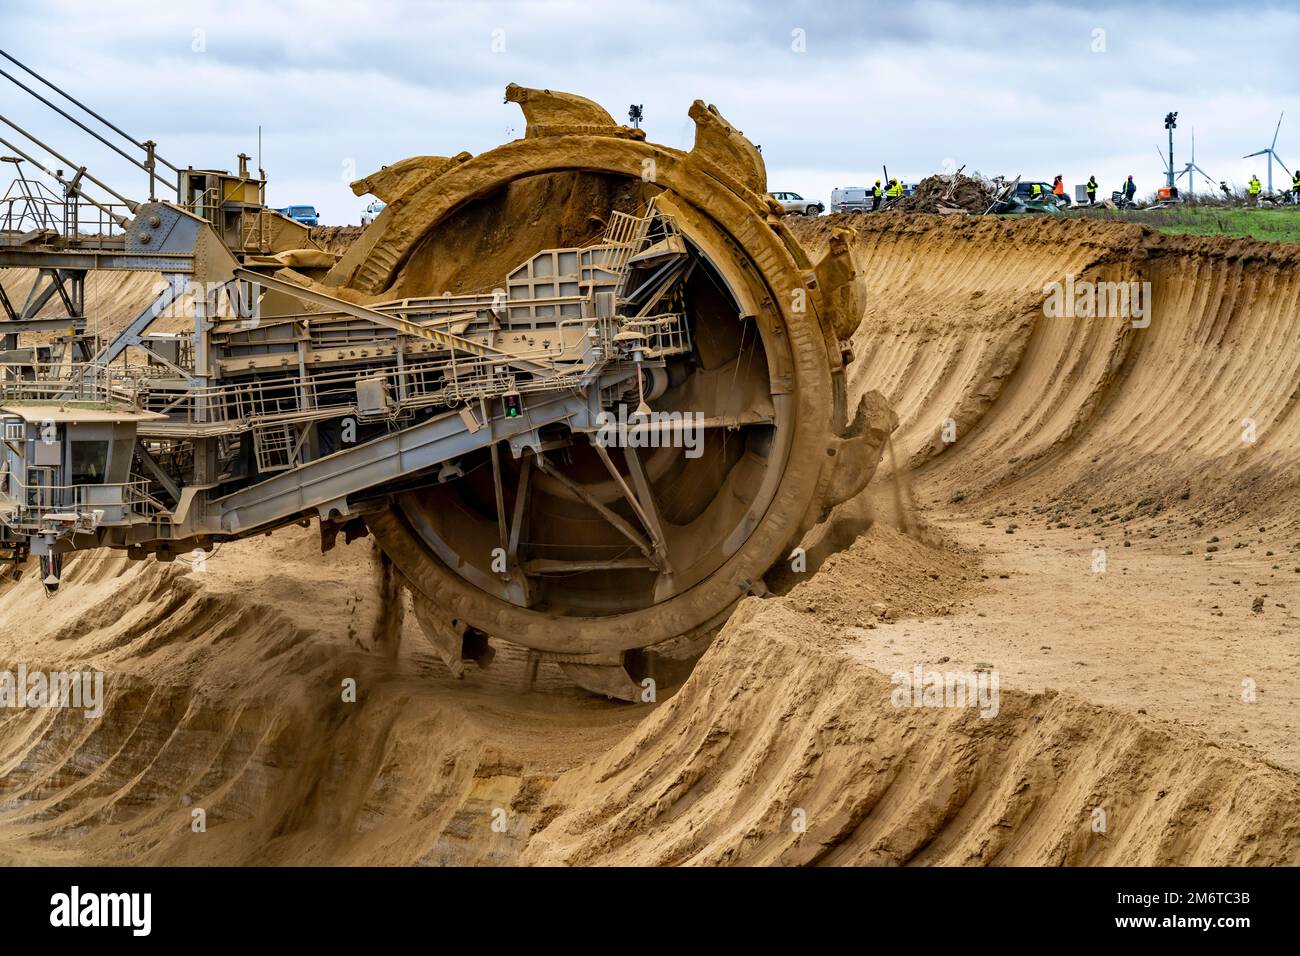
(1171,123)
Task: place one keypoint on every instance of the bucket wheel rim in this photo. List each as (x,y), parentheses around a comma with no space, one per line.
(739,221)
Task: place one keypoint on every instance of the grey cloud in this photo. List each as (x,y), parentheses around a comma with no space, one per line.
(999,86)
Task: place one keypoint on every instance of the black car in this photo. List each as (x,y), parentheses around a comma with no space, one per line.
(1025,192)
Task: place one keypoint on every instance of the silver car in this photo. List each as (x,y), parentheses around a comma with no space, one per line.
(793,202)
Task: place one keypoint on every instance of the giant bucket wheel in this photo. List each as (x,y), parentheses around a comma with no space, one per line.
(591,554)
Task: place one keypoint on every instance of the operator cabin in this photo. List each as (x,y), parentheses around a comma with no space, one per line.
(67,470)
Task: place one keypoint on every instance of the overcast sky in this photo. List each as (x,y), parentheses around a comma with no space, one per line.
(830,90)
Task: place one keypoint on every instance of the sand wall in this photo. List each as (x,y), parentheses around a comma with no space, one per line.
(955,329)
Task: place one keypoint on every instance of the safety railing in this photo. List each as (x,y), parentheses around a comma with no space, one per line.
(206,204)
(81,222)
(445,378)
(81,506)
(76,382)
(661,335)
(623,237)
(255,229)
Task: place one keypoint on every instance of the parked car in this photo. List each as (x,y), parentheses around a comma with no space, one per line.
(850,199)
(1025,191)
(372,212)
(307,215)
(793,202)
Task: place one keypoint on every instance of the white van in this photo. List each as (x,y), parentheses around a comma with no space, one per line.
(851,199)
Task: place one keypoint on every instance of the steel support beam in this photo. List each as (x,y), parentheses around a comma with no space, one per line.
(620,525)
(131,334)
(98,260)
(325,484)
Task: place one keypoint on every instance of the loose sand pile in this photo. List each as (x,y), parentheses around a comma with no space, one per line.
(335,239)
(951,191)
(1123,689)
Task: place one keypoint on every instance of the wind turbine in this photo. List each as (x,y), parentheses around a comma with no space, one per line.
(1271,153)
(1191,167)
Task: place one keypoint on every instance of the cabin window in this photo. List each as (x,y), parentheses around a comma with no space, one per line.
(89,462)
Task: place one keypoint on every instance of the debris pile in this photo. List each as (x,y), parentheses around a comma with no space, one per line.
(950,193)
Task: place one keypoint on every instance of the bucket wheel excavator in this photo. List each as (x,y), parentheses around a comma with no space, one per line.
(585,391)
(616,558)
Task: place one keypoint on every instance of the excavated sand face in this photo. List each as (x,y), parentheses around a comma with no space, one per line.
(1121,689)
(1148,476)
(955,328)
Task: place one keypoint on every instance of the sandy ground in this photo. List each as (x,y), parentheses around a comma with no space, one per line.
(1122,688)
(1159,633)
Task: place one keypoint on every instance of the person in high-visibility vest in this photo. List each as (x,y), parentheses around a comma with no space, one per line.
(1092,190)
(1295,182)
(1253,187)
(876,194)
(895,189)
(1058,186)
(1036,191)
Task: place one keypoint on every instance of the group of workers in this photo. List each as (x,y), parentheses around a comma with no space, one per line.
(1256,188)
(892,190)
(1058,189)
(1129,189)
